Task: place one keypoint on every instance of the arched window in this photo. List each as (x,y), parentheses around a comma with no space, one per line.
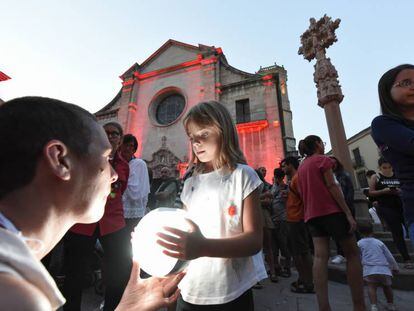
(169,109)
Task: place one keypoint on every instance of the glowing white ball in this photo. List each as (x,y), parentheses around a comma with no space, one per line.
(147,251)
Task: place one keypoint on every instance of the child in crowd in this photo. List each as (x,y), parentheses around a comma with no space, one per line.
(378,266)
(222,198)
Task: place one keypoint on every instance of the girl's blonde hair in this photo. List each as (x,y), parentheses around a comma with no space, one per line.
(214,114)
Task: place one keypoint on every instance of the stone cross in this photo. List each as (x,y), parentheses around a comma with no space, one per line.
(315,40)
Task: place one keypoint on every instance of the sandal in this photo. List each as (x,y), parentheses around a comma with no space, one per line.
(300,288)
(408,265)
(285,273)
(273,278)
(258,286)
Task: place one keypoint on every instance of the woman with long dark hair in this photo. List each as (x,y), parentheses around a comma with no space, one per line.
(393,131)
(327,215)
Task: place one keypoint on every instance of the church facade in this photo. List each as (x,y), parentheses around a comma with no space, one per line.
(156,95)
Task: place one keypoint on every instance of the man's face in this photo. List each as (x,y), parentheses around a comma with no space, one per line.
(128,150)
(165,173)
(94,177)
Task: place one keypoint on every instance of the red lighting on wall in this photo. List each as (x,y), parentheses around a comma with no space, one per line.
(168,69)
(182,168)
(132,107)
(267,77)
(128,82)
(4,77)
(250,127)
(209,61)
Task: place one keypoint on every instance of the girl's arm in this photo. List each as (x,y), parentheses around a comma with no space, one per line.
(390,258)
(393,133)
(191,245)
(376,193)
(336,192)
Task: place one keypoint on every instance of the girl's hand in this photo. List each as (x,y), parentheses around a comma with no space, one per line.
(149,294)
(352,223)
(183,245)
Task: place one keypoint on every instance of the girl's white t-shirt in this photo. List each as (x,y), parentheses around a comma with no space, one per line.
(214,201)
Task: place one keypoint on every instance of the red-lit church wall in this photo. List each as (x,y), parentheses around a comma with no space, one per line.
(187,81)
(261,141)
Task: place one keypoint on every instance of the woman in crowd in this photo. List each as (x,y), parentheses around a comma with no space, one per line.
(345,181)
(393,132)
(384,187)
(327,215)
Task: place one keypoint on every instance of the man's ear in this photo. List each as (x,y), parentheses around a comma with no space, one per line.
(56,155)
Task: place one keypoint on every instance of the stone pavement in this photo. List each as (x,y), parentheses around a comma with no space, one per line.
(278,297)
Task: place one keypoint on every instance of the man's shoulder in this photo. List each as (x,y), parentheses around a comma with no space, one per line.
(18,294)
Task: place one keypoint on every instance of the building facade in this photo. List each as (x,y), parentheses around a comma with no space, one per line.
(364,153)
(156,94)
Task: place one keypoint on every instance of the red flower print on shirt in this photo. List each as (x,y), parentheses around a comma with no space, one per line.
(232,210)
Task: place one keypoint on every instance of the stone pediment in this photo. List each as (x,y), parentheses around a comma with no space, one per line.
(170,54)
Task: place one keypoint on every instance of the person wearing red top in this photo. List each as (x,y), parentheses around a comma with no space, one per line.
(112,234)
(327,215)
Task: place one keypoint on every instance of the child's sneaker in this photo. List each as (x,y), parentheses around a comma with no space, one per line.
(391,307)
(374,308)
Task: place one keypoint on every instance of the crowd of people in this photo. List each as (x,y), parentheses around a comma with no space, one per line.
(86,188)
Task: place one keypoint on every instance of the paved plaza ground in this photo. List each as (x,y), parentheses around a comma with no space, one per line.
(278,297)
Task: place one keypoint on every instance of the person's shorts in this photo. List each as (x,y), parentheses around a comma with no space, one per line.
(333,225)
(379,279)
(298,238)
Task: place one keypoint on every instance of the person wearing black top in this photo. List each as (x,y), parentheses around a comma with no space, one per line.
(385,188)
(393,131)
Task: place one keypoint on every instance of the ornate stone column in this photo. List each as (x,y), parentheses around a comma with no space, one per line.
(315,40)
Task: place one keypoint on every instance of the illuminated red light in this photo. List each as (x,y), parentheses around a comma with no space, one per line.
(254,126)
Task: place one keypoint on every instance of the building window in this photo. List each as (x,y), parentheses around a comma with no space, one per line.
(362,179)
(358,161)
(242,111)
(169,109)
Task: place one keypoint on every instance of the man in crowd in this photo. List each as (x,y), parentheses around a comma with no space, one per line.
(55,172)
(167,191)
(298,237)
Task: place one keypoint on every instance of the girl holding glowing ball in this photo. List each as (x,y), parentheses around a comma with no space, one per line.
(222,200)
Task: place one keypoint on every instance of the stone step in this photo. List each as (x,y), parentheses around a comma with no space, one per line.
(382,234)
(404,280)
(393,248)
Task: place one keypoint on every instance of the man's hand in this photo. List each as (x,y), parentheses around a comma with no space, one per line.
(183,245)
(149,294)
